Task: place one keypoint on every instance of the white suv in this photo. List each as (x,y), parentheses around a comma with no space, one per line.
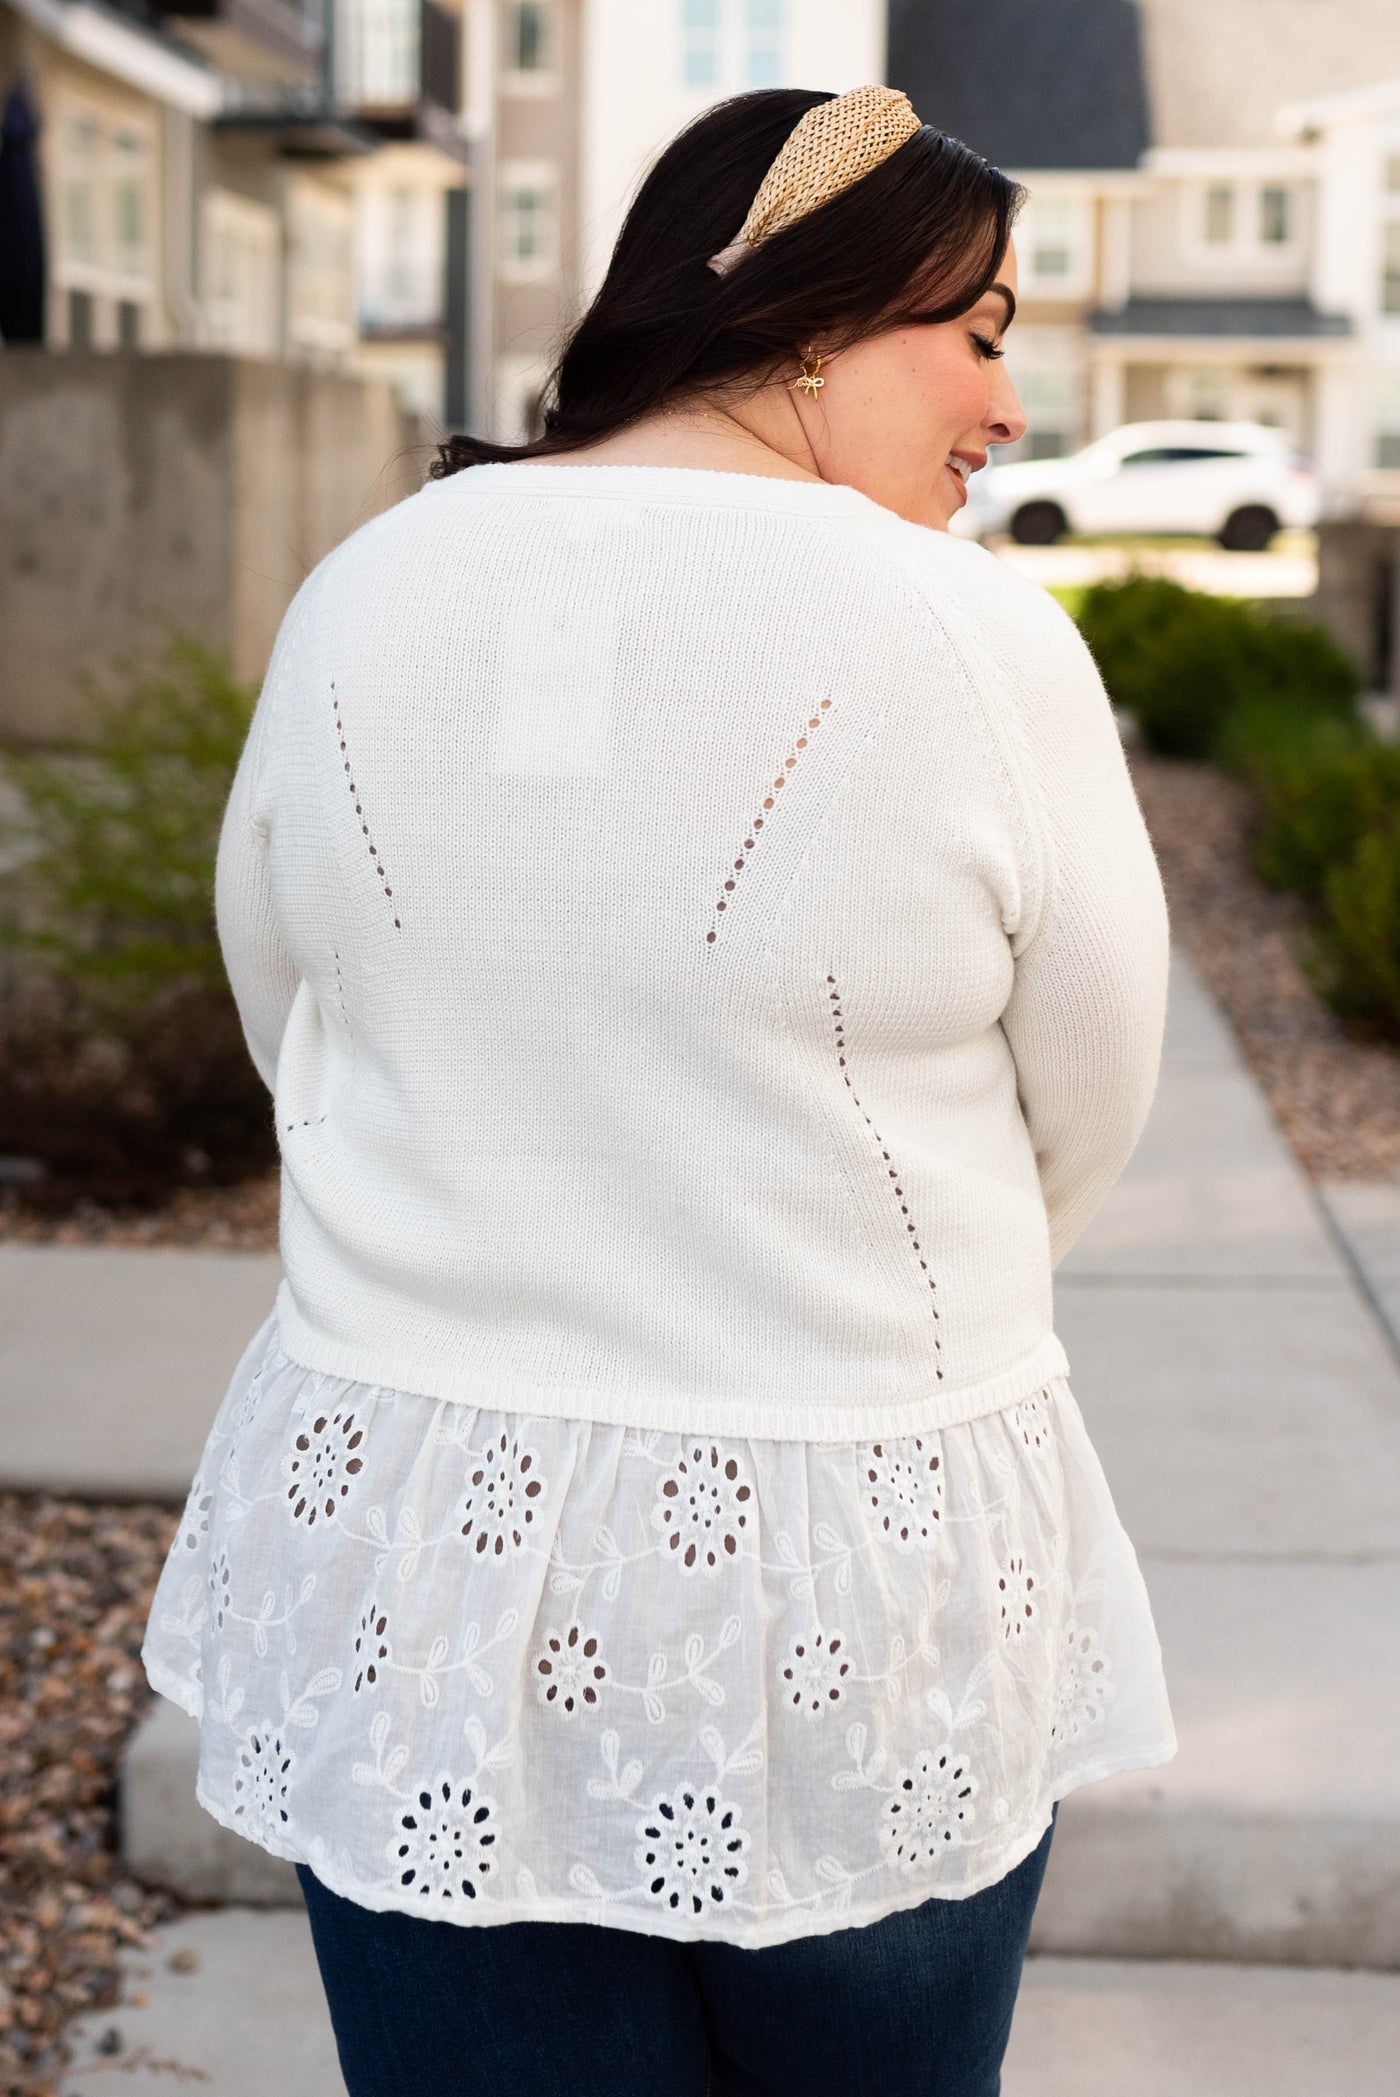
(1238,482)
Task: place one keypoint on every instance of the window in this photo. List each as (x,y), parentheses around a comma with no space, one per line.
(700,43)
(1390,267)
(1050,396)
(320,271)
(1275,216)
(528,50)
(1219,220)
(1387,444)
(402,242)
(1055,242)
(382,40)
(104,221)
(130,193)
(764,55)
(1052,237)
(80,328)
(529,237)
(1209,388)
(241,265)
(82,156)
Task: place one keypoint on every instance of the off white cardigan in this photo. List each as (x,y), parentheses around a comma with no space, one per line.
(705,948)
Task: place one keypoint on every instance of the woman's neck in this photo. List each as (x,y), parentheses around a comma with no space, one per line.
(764,436)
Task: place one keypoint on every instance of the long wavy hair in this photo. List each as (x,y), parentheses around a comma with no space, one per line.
(920,238)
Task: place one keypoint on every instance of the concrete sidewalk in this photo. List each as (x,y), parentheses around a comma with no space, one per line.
(1226,1333)
(1082,2028)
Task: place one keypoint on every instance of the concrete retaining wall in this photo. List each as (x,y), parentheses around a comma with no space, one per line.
(144,494)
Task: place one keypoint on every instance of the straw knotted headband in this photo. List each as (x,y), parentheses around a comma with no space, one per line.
(827,150)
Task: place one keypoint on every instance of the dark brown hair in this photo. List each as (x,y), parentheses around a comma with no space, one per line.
(919,238)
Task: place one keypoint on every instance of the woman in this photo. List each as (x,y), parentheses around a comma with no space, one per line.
(695,921)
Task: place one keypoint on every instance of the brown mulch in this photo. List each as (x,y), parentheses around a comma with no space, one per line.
(242,1218)
(76,1582)
(1334,1092)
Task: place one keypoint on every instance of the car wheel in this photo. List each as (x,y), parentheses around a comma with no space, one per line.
(1248,530)
(1038,524)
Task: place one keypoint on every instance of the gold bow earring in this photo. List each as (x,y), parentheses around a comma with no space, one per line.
(808,381)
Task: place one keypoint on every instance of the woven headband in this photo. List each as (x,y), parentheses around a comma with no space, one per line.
(827,150)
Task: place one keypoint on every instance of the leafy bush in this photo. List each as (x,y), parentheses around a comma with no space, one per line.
(1181,661)
(1328,795)
(1323,783)
(1355,964)
(113,890)
(122,1061)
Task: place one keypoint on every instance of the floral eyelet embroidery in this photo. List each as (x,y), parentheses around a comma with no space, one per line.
(779,782)
(931,1810)
(569,1672)
(321,1466)
(1018,1600)
(1085,1687)
(260,1785)
(904,1491)
(811,1674)
(1033,1422)
(702,1508)
(910,1226)
(499,1504)
(359,809)
(694,1849)
(444,1845)
(371,1646)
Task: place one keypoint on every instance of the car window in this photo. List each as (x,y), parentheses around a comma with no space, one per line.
(1202,451)
(1156,457)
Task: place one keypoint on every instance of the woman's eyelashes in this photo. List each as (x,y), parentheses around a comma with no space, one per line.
(986,346)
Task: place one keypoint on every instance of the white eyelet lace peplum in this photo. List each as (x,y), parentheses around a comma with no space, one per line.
(484,1666)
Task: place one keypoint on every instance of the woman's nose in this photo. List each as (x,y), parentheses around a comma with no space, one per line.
(1006,418)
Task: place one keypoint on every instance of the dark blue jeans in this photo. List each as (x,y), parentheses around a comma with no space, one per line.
(918,2004)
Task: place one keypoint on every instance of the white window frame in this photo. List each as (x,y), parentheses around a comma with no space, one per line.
(379,54)
(693,37)
(1386,419)
(101,274)
(734,36)
(533,82)
(1246,243)
(1388,230)
(542,177)
(331,335)
(228,319)
(760,35)
(1077,281)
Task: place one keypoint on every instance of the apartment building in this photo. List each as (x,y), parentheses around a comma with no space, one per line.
(584,93)
(1179,252)
(174,216)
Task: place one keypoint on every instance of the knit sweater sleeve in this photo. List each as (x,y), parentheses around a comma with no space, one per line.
(261,973)
(1087,1010)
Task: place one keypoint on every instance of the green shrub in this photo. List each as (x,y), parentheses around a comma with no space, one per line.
(1354,963)
(1322,781)
(123,1067)
(1181,661)
(112,887)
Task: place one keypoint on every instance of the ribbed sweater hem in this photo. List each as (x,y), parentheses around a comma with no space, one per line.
(705,1412)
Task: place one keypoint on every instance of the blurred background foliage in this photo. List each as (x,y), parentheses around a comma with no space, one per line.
(1275,702)
(123,1067)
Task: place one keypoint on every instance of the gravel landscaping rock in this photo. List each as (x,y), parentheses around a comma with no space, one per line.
(76,1582)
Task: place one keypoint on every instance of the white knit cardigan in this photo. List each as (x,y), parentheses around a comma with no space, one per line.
(705,948)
